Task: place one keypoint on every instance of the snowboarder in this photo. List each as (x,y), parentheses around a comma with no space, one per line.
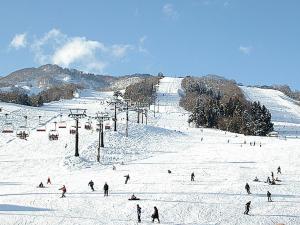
(256,179)
(48,180)
(247,187)
(247,208)
(278,170)
(133,197)
(139,212)
(91,184)
(105,188)
(127,178)
(269,196)
(64,190)
(41,185)
(155,215)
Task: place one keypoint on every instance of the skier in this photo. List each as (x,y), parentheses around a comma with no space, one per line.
(127,178)
(91,184)
(48,180)
(114,167)
(269,196)
(139,212)
(155,215)
(247,187)
(278,170)
(105,188)
(247,208)
(64,190)
(169,171)
(192,176)
(268,180)
(272,174)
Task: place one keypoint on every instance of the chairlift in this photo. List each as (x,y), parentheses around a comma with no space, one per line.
(73,130)
(41,127)
(88,125)
(23,131)
(53,135)
(62,124)
(7,127)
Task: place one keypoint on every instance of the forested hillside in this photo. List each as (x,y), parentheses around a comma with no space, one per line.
(219,103)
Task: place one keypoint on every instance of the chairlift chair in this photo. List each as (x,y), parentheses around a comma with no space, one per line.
(62,124)
(88,126)
(22,132)
(53,135)
(73,130)
(8,128)
(41,128)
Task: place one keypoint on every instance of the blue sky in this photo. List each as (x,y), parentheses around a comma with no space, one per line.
(251,41)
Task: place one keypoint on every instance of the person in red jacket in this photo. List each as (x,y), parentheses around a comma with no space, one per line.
(48,180)
(64,190)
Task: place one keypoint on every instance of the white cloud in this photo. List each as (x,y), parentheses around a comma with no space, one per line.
(78,52)
(120,51)
(19,41)
(75,50)
(169,10)
(245,49)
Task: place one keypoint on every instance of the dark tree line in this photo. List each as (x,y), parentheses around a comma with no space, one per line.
(213,110)
(142,91)
(48,95)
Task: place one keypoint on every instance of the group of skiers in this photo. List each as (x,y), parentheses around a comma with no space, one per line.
(247,187)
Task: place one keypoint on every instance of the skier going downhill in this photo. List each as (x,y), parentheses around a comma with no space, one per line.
(192,176)
(64,190)
(91,184)
(247,208)
(127,177)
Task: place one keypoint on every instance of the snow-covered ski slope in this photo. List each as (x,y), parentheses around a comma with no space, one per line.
(285,111)
(217,196)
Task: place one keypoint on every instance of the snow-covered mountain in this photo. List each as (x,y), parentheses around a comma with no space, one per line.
(34,80)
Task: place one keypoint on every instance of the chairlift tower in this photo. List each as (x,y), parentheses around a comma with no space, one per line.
(77,114)
(101,117)
(115,102)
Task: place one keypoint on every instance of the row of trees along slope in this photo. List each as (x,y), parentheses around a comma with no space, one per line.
(142,91)
(219,103)
(65,91)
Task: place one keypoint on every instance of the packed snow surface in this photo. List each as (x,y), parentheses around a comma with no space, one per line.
(285,111)
(222,164)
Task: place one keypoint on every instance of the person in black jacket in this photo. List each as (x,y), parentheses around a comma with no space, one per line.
(247,208)
(192,176)
(105,188)
(247,187)
(91,184)
(155,215)
(269,196)
(139,212)
(127,177)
